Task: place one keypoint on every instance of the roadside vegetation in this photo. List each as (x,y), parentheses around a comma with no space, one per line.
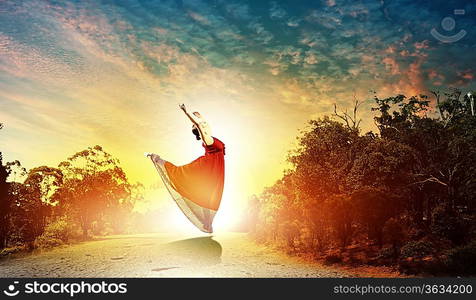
(403,196)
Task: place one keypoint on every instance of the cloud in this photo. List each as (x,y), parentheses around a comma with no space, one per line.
(329,20)
(261,34)
(238,10)
(311,58)
(293,22)
(391,65)
(199,18)
(276,11)
(85,72)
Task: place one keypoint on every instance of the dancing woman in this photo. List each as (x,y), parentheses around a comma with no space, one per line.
(197,187)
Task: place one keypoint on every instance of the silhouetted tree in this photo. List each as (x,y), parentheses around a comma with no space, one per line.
(4,201)
(417,169)
(341,214)
(6,169)
(93,184)
(394,233)
(373,208)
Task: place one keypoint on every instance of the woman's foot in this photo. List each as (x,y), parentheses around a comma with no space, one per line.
(155,158)
(208,228)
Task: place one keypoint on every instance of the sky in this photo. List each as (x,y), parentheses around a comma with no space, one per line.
(75,74)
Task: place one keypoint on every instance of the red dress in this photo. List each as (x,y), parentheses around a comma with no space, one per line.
(202,180)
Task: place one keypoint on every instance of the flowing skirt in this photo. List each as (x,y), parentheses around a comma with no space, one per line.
(194,191)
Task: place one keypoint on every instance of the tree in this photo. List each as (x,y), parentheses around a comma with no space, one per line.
(404,121)
(35,200)
(5,195)
(417,169)
(341,214)
(4,202)
(454,106)
(392,122)
(93,184)
(394,233)
(324,156)
(373,208)
(444,166)
(350,120)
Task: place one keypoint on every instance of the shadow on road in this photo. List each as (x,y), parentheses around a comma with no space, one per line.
(201,251)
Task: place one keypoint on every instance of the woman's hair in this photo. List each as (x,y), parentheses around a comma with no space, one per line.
(196,132)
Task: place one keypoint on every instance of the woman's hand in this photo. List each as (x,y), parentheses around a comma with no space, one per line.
(182,107)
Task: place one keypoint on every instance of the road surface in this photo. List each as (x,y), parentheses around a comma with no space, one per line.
(162,255)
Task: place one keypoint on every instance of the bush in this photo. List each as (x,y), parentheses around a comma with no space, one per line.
(386,253)
(416,249)
(448,224)
(58,229)
(12,250)
(44,242)
(394,233)
(332,259)
(462,260)
(56,233)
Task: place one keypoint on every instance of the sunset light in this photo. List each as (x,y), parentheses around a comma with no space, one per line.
(237,138)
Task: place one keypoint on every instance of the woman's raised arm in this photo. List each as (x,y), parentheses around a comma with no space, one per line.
(201,124)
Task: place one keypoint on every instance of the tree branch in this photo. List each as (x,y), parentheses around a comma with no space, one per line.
(350,121)
(431,179)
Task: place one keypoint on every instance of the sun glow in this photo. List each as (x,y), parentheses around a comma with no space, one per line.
(120,102)
(255,154)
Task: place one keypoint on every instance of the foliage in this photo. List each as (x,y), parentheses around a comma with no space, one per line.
(332,259)
(386,253)
(417,249)
(462,260)
(448,224)
(4,203)
(32,199)
(348,189)
(60,229)
(341,217)
(56,233)
(49,206)
(374,208)
(45,242)
(394,233)
(95,188)
(5,252)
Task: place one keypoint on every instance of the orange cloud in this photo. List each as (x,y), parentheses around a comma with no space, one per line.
(391,65)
